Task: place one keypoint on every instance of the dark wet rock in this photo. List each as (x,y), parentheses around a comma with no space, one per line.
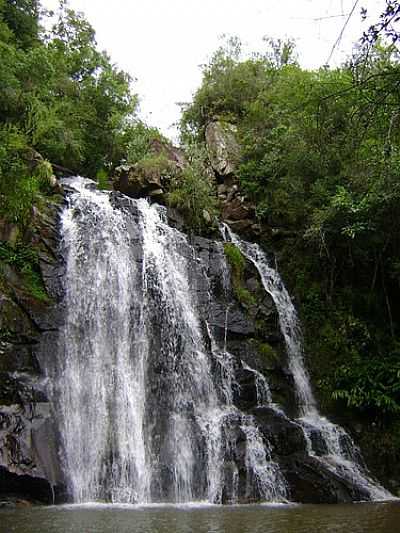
(311,481)
(237,210)
(28,449)
(29,462)
(286,436)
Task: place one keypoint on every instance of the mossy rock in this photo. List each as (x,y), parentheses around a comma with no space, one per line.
(14,323)
(268,354)
(238,263)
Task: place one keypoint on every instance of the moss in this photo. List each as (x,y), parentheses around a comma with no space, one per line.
(244,296)
(34,284)
(24,260)
(238,263)
(267,352)
(103,181)
(235,258)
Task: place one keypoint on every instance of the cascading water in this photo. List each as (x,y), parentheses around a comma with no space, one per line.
(105,454)
(143,417)
(341,456)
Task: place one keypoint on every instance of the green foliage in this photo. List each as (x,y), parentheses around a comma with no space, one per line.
(235,259)
(244,296)
(18,188)
(372,384)
(156,164)
(59,96)
(267,352)
(67,99)
(238,264)
(22,18)
(24,259)
(137,140)
(193,192)
(102,179)
(43,173)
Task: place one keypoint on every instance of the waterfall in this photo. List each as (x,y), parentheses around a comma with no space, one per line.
(105,455)
(341,455)
(143,415)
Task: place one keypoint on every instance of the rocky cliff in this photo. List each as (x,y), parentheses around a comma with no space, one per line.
(29,318)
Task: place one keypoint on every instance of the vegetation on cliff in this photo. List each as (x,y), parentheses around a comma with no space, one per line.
(59,96)
(320,159)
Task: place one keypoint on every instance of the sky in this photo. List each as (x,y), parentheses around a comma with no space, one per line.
(163,43)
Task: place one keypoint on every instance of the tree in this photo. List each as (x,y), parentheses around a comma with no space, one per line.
(22,18)
(58,95)
(385,27)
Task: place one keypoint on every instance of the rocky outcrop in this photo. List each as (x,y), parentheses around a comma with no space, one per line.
(224,155)
(223,148)
(29,463)
(237,211)
(172,153)
(150,177)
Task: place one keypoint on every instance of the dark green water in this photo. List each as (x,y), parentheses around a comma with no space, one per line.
(351,518)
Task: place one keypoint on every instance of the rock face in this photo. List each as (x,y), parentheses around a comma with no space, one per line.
(224,154)
(135,181)
(251,332)
(223,148)
(29,462)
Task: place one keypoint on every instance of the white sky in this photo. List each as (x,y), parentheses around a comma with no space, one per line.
(161,43)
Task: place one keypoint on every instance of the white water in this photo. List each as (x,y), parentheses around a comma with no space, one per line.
(340,455)
(98,377)
(264,396)
(143,417)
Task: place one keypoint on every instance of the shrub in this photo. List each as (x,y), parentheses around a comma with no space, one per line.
(193,192)
(25,260)
(18,188)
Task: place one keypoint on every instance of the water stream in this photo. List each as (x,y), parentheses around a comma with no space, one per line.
(340,455)
(143,418)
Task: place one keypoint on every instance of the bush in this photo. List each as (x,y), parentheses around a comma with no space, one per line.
(102,179)
(193,192)
(25,260)
(18,189)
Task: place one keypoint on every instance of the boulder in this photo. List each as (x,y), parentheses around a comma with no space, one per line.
(223,148)
(150,176)
(238,209)
(135,181)
(172,153)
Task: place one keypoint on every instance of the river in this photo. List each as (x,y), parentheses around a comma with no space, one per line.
(97,518)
